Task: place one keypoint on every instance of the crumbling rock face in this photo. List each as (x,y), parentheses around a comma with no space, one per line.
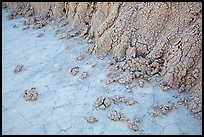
(163,38)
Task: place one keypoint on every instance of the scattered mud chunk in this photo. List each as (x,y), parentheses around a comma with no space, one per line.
(116,116)
(102,102)
(37,26)
(153,114)
(133,126)
(14,26)
(93,65)
(147,78)
(81,57)
(175,96)
(111,62)
(25,28)
(91,119)
(131,102)
(30,21)
(165,109)
(156,106)
(126,78)
(63,23)
(18,68)
(109,74)
(159,54)
(43,23)
(131,52)
(29,13)
(90,41)
(67,35)
(119,99)
(62,36)
(184,101)
(10,17)
(138,74)
(129,89)
(40,35)
(31,94)
(74,70)
(84,75)
(141,83)
(164,87)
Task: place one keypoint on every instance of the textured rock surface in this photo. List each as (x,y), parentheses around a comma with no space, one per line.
(65,101)
(167,43)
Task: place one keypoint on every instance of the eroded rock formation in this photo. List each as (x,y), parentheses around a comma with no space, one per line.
(163,38)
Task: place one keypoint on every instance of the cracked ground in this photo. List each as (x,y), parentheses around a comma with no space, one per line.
(65,100)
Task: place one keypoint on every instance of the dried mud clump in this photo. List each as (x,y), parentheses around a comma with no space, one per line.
(37,26)
(165,109)
(14,26)
(25,28)
(165,87)
(111,62)
(153,114)
(119,99)
(84,75)
(91,119)
(30,21)
(133,125)
(40,35)
(31,94)
(94,65)
(81,57)
(130,102)
(156,106)
(67,35)
(116,116)
(141,83)
(102,103)
(18,68)
(74,70)
(12,15)
(122,100)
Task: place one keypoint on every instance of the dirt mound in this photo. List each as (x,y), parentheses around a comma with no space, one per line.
(149,38)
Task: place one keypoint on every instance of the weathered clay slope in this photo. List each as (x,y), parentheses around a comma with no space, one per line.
(151,38)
